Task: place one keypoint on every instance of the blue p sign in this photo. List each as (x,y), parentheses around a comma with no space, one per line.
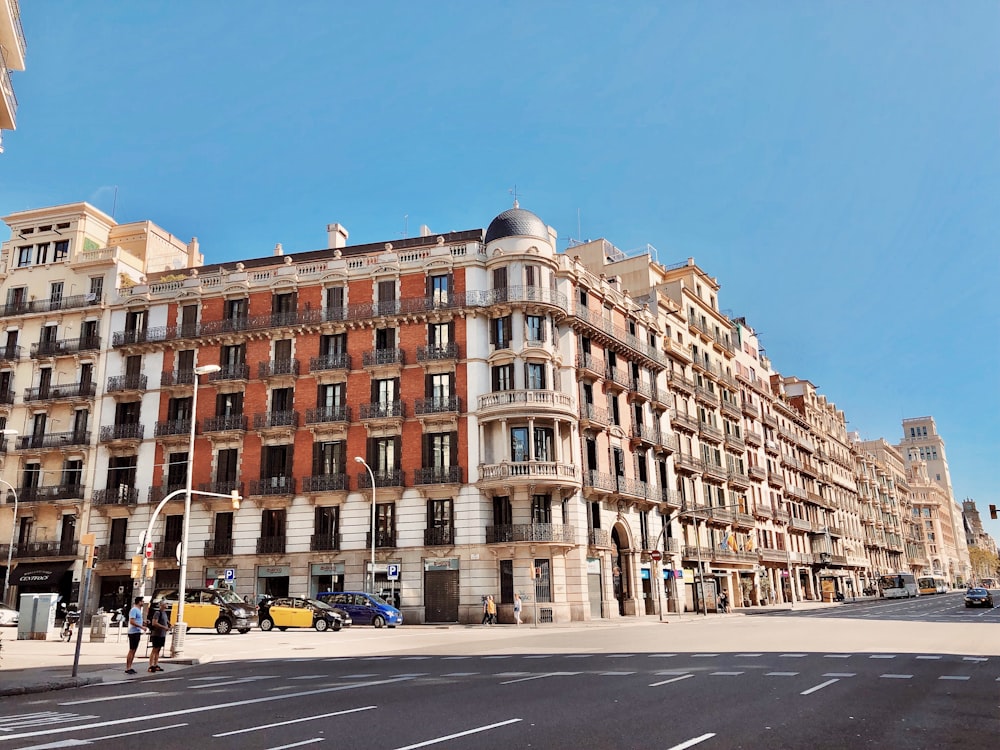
(392,572)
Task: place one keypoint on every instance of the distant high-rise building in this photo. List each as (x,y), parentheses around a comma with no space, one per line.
(12,50)
(976,535)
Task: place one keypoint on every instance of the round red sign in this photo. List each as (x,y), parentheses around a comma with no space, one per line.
(655,555)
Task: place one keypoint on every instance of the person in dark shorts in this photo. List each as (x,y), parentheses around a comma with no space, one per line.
(135,631)
(159,626)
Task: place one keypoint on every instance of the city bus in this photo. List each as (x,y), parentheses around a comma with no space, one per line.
(932,585)
(898,586)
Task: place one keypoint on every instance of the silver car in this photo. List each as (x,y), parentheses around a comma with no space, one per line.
(8,615)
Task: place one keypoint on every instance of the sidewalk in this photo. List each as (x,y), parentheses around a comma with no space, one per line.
(39,666)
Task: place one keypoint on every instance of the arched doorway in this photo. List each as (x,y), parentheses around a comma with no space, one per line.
(619,571)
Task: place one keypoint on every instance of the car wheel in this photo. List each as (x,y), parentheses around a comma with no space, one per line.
(320,624)
(337,626)
(378,621)
(223,626)
(244,631)
(266,624)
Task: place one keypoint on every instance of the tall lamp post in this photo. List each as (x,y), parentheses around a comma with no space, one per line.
(13,526)
(181,626)
(371,474)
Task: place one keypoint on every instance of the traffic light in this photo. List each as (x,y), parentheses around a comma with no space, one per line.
(149,569)
(993,512)
(136,567)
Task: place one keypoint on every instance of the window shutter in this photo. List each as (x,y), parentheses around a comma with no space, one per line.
(397,448)
(428,386)
(453,448)
(395,389)
(429,282)
(494,322)
(451,332)
(372,453)
(374,399)
(425,450)
(289,460)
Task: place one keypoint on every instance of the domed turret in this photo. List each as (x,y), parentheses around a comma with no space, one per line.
(516,222)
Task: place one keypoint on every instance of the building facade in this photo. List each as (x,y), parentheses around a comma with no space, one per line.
(12,53)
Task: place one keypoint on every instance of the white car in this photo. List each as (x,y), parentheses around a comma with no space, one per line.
(8,615)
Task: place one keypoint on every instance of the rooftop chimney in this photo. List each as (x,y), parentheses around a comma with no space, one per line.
(425,231)
(336,235)
(279,250)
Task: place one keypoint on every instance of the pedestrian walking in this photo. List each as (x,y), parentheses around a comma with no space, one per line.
(159,625)
(491,609)
(135,631)
(517,609)
(723,602)
(486,611)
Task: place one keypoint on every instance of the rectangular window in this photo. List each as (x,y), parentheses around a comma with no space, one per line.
(332,344)
(543,583)
(227,465)
(439,514)
(24,256)
(503,513)
(506,580)
(61,251)
(503,378)
(535,325)
(334,300)
(543,444)
(644,528)
(438,288)
(229,405)
(541,509)
(42,254)
(177,469)
(387,297)
(439,335)
(439,386)
(501,332)
(519,444)
(535,376)
(329,458)
(385,522)
(385,338)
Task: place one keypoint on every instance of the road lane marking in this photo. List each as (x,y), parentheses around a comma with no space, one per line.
(198,709)
(241,681)
(614,674)
(309,677)
(12,723)
(672,679)
(836,656)
(109,698)
(953,677)
(749,655)
(456,658)
(359,676)
(209,679)
(727,674)
(294,721)
(460,674)
(705,656)
(539,656)
(511,674)
(974,658)
(793,656)
(661,656)
(414,658)
(934,658)
(298,744)
(80,743)
(882,656)
(619,656)
(692,742)
(466,733)
(841,674)
(822,685)
(578,656)
(540,677)
(498,656)
(896,676)
(780,674)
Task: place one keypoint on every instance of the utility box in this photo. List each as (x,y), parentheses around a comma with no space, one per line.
(36,616)
(99,627)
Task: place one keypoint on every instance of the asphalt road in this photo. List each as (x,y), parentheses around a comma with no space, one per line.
(582,691)
(944,608)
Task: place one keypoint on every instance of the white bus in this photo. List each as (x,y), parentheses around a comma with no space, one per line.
(898,586)
(932,585)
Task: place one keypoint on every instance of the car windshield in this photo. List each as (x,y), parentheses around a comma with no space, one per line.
(229,597)
(318,604)
(978,592)
(379,600)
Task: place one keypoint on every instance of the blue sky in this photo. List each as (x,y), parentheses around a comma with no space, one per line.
(835,165)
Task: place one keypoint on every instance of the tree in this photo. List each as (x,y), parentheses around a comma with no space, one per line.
(984,563)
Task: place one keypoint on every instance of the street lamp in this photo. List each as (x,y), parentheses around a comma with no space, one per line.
(186,524)
(13,527)
(371,474)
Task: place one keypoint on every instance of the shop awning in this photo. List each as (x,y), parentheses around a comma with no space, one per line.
(38,574)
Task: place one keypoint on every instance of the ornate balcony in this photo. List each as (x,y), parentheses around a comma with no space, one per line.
(528,470)
(754,438)
(64,347)
(709,432)
(686,462)
(271,545)
(438,475)
(120,383)
(328,414)
(383,539)
(598,480)
(50,493)
(276,420)
(270,486)
(116,496)
(616,376)
(389,478)
(531,532)
(70,391)
(381,357)
(328,362)
(646,433)
(218,547)
(169,378)
(52,440)
(324,542)
(325,483)
(24,550)
(228,423)
(437,353)
(683,421)
(278,367)
(439,537)
(10,353)
(160,491)
(383,410)
(799,524)
(122,432)
(706,396)
(172,427)
(439,405)
(599,538)
(222,486)
(592,363)
(231,372)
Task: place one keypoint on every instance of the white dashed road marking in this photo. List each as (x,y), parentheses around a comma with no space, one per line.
(672,679)
(840,674)
(780,674)
(726,674)
(294,721)
(953,677)
(693,741)
(822,685)
(896,676)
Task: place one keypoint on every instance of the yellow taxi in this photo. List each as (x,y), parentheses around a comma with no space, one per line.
(299,612)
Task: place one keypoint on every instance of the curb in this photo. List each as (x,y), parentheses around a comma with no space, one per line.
(45,687)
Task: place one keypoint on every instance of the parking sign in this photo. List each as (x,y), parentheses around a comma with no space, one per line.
(392,572)
(230,574)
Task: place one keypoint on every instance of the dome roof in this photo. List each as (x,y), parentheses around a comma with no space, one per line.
(516,222)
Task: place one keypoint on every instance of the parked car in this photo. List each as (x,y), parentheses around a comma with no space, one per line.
(977,597)
(8,615)
(221,609)
(364,609)
(298,612)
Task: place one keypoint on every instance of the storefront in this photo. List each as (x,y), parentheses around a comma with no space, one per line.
(221,578)
(326,577)
(44,578)
(272,580)
(440,590)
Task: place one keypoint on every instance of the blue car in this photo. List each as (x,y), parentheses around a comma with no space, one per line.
(364,609)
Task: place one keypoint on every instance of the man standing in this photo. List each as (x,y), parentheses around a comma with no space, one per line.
(135,631)
(491,609)
(159,625)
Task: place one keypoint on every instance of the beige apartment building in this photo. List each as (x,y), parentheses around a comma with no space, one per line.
(58,273)
(975,534)
(12,53)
